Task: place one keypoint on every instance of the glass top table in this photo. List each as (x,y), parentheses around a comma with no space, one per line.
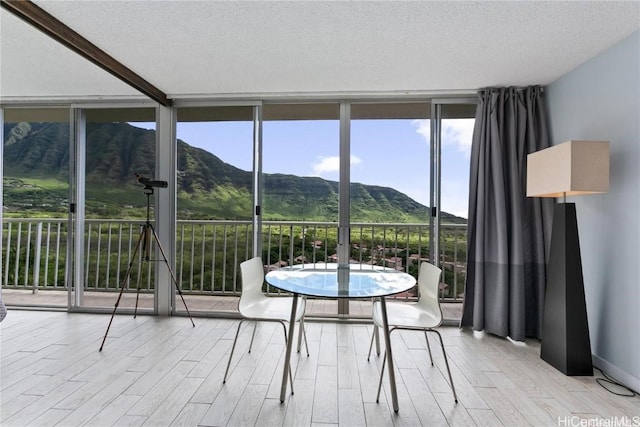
(329,280)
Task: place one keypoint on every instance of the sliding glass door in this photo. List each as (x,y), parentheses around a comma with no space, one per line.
(300,198)
(368,182)
(456,121)
(389,188)
(214,229)
(397,170)
(35,206)
(113,147)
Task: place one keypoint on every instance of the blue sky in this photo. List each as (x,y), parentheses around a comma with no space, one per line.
(390,153)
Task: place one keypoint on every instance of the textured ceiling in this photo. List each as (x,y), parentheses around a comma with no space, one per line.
(215,49)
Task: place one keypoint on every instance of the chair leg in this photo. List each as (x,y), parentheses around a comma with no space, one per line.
(233,347)
(284,327)
(446,362)
(384,361)
(302,332)
(300,328)
(374,336)
(428,347)
(371,344)
(255,324)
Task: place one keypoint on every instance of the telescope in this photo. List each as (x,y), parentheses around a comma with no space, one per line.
(144,243)
(150,183)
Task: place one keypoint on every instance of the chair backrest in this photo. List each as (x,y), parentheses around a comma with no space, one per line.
(252,274)
(428,286)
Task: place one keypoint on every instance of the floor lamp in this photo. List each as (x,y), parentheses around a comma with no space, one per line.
(568,169)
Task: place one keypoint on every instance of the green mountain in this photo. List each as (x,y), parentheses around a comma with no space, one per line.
(36,168)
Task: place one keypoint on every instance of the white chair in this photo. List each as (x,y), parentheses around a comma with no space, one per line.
(256,306)
(424,315)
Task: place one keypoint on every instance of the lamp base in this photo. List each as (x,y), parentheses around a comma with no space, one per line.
(565,329)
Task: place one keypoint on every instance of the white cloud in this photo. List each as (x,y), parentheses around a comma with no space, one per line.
(331,164)
(423,128)
(458,132)
(455,132)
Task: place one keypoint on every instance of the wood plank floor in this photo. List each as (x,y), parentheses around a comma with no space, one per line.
(156,371)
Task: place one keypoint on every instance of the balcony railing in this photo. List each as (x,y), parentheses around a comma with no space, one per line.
(208,253)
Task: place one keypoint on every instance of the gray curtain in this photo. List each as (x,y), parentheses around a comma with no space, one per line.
(508,233)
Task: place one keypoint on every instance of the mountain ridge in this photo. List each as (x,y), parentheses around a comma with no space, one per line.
(208,188)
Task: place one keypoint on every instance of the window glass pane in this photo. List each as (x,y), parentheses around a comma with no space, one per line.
(117,148)
(214,205)
(390,187)
(457,132)
(35,206)
(301,147)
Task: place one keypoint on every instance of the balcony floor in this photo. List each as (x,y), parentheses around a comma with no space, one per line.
(201,304)
(161,371)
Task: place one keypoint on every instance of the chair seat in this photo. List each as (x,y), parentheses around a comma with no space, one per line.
(406,315)
(272,308)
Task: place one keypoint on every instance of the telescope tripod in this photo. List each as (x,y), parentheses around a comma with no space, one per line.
(144,240)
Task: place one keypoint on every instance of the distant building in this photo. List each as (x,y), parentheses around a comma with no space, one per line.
(393,262)
(277,265)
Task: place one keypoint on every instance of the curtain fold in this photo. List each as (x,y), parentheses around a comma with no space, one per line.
(508,233)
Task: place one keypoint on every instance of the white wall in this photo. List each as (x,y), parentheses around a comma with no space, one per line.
(600,100)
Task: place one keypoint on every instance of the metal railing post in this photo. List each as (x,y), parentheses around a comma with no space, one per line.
(8,256)
(218,253)
(36,259)
(28,257)
(17,260)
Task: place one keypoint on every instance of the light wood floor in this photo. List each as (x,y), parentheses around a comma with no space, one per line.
(162,371)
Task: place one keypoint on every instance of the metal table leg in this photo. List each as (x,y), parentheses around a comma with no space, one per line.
(287,354)
(387,342)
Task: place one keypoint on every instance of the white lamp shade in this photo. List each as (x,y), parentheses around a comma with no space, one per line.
(570,168)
